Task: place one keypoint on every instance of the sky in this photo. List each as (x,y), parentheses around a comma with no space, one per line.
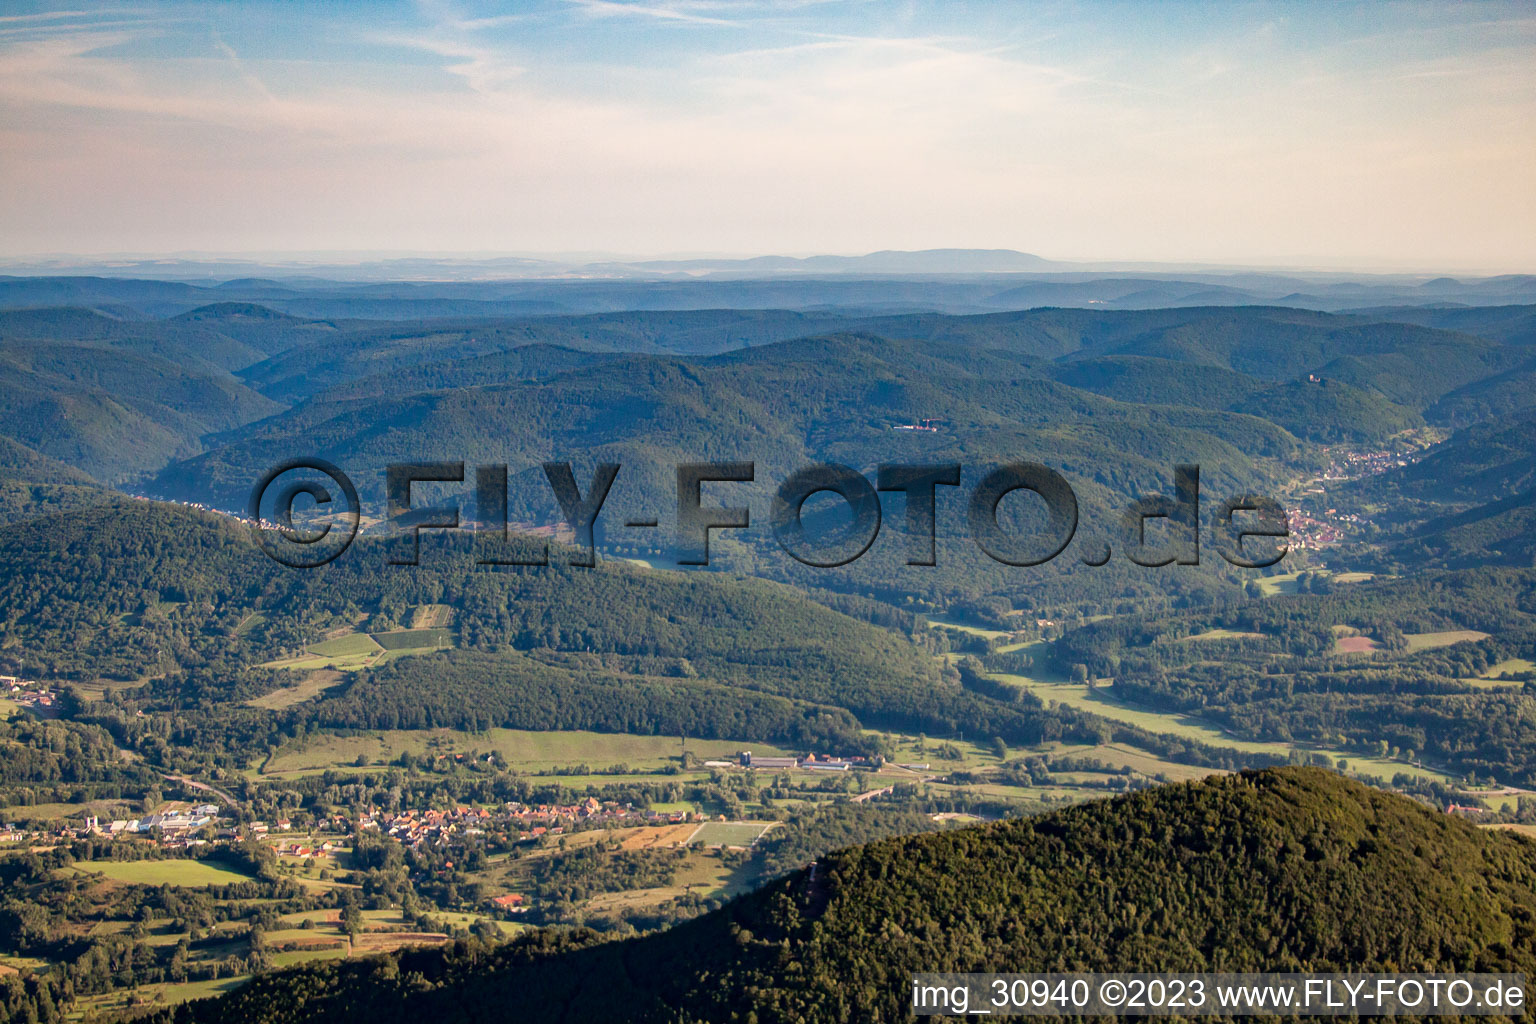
(1332,135)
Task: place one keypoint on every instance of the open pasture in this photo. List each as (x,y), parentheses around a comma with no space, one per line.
(1425,641)
(192,874)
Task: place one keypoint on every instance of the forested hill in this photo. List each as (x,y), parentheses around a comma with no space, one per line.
(182,603)
(1282,870)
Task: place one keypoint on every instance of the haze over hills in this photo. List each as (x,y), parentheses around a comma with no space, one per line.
(1268,383)
(948,280)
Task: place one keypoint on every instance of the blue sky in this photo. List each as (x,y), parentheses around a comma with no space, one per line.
(1367,136)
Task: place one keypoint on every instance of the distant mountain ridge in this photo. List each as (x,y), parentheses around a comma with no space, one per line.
(941,280)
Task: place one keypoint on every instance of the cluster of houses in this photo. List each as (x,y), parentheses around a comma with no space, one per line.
(418,829)
(29,693)
(1351,464)
(1312,530)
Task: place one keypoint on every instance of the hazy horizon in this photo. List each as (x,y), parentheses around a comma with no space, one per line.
(304,262)
(1345,137)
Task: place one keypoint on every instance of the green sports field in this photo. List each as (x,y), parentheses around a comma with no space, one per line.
(728,833)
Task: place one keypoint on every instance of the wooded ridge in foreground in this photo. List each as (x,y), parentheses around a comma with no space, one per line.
(1288,869)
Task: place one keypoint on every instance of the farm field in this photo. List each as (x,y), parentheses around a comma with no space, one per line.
(1223,634)
(1354,645)
(346,653)
(657,837)
(353,651)
(349,645)
(20,964)
(1425,641)
(312,684)
(413,639)
(195,874)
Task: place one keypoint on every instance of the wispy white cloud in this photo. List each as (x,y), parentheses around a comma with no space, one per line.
(841,129)
(682,12)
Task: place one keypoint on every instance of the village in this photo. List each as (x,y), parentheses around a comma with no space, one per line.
(1313,528)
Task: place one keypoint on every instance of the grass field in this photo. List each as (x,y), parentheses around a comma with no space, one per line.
(702,874)
(973,630)
(57,812)
(1124,755)
(158,995)
(192,874)
(1224,634)
(523,750)
(22,964)
(908,750)
(665,807)
(350,645)
(346,653)
(294,957)
(1497,674)
(1424,641)
(728,833)
(8,709)
(312,684)
(413,639)
(1100,702)
(1285,583)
